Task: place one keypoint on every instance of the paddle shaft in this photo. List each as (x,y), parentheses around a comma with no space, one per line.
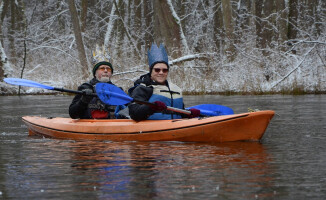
(187,112)
(73,91)
(118,94)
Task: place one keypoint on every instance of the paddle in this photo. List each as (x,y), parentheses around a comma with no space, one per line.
(108,93)
(113,95)
(213,109)
(29,83)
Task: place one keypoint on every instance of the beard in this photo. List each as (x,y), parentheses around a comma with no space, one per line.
(104,79)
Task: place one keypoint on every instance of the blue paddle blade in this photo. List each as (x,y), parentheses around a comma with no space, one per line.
(28,83)
(111,94)
(213,109)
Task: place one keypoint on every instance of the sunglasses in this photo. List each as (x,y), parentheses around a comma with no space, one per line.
(105,68)
(157,70)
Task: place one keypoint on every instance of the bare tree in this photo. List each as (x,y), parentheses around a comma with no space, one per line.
(12,29)
(177,19)
(2,59)
(124,28)
(4,64)
(83,16)
(110,26)
(137,27)
(79,38)
(267,25)
(292,26)
(229,27)
(3,11)
(281,22)
(147,19)
(166,28)
(218,25)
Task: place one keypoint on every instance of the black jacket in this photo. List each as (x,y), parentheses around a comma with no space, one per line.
(143,92)
(79,109)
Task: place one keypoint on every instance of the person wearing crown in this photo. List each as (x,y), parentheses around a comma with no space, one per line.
(87,106)
(154,87)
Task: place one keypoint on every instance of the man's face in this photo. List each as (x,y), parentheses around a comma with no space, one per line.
(103,73)
(160,73)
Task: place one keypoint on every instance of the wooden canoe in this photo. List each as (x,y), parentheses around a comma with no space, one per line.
(236,127)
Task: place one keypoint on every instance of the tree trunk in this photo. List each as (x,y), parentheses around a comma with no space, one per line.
(312,7)
(79,39)
(218,27)
(166,30)
(2,62)
(248,5)
(119,27)
(185,48)
(83,15)
(3,58)
(110,26)
(292,27)
(252,11)
(124,27)
(181,7)
(147,21)
(4,5)
(281,22)
(267,33)
(258,14)
(138,22)
(313,14)
(12,30)
(320,16)
(229,28)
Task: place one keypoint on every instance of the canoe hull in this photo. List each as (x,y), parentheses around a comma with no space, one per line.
(237,127)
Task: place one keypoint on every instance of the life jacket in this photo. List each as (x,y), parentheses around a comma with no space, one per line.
(171,95)
(96,108)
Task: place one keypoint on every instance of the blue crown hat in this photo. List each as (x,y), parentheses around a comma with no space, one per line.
(157,55)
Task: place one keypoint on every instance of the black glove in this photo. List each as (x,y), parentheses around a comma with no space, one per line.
(87,95)
(159,106)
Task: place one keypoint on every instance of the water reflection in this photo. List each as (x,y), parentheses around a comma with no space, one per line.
(146,170)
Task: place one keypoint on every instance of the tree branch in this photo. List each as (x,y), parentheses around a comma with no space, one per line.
(191,57)
(294,69)
(126,30)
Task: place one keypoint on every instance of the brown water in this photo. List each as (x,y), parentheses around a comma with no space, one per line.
(289,163)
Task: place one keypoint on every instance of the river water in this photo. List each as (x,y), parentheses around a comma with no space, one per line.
(289,162)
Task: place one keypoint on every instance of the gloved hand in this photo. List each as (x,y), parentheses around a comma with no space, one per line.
(194,113)
(87,95)
(159,106)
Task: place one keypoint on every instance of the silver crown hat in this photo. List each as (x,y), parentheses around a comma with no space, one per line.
(157,55)
(100,57)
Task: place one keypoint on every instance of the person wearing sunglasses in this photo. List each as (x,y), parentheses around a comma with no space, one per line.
(155,88)
(87,106)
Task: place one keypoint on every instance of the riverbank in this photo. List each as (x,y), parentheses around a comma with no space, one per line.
(224,93)
(283,92)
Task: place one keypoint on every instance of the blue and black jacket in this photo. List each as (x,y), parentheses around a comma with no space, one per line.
(146,89)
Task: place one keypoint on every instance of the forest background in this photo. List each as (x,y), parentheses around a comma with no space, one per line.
(214,46)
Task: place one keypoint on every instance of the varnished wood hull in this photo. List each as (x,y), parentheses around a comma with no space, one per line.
(237,127)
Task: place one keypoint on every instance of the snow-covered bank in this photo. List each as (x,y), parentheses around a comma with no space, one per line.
(206,74)
(213,46)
